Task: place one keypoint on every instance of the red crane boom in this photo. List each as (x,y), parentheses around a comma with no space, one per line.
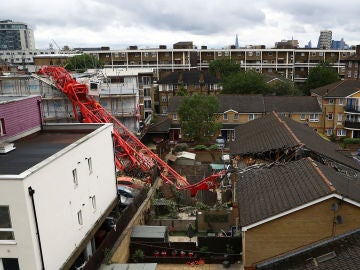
(130,152)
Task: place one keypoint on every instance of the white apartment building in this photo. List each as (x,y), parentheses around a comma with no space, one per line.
(16,36)
(56,188)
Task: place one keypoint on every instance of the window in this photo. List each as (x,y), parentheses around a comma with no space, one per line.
(252,116)
(302,54)
(349,74)
(80,218)
(123,55)
(6,231)
(164,109)
(269,53)
(163,98)
(147,104)
(341,101)
(314,117)
(257,53)
(330,116)
(146,54)
(2,127)
(313,53)
(89,161)
(225,116)
(350,64)
(219,53)
(340,117)
(331,101)
(9,264)
(236,116)
(303,116)
(321,54)
(93,202)
(250,53)
(226,53)
(75,177)
(175,116)
(341,132)
(146,92)
(329,132)
(233,135)
(153,55)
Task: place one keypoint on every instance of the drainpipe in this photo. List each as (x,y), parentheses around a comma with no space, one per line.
(40,114)
(31,193)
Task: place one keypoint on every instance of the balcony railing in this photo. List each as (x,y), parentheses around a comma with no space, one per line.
(352,124)
(353,109)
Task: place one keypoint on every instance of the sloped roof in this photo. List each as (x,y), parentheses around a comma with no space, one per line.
(346,250)
(269,191)
(286,104)
(241,103)
(161,125)
(259,104)
(262,135)
(338,89)
(188,77)
(275,133)
(315,143)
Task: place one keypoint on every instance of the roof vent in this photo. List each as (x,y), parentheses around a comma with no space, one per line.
(6,147)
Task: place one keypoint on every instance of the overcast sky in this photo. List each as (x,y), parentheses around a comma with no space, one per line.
(215,23)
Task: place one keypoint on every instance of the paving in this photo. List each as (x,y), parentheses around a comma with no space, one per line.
(234,266)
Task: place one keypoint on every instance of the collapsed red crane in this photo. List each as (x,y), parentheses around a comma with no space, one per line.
(130,152)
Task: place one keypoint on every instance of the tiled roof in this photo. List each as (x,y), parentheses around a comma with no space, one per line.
(242,103)
(188,77)
(174,103)
(318,145)
(275,133)
(335,254)
(262,135)
(161,125)
(269,191)
(260,104)
(282,104)
(338,89)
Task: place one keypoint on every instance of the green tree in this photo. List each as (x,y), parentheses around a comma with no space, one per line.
(223,68)
(245,82)
(284,87)
(320,75)
(182,91)
(81,63)
(197,117)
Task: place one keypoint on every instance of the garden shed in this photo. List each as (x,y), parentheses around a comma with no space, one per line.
(145,233)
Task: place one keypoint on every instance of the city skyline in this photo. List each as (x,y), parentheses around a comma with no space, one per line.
(213,23)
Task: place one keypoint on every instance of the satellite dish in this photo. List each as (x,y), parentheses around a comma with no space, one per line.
(334,207)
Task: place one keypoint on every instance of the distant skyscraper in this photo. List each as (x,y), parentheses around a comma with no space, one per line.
(309,45)
(236,42)
(339,44)
(325,39)
(16,36)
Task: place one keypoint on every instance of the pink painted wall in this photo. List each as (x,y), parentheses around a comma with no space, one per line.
(20,115)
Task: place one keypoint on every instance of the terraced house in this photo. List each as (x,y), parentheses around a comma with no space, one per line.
(236,110)
(300,200)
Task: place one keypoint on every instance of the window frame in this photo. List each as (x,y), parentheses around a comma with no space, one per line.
(9,229)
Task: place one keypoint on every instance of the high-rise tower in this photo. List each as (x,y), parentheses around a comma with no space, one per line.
(236,42)
(325,39)
(16,36)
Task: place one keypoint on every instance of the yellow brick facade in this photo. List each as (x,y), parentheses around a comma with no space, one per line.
(297,230)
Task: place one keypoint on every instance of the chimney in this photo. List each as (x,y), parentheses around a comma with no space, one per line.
(358,49)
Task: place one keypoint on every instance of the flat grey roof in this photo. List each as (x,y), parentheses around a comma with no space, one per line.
(6,99)
(36,147)
(144,231)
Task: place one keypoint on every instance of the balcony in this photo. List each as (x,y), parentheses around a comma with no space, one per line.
(352,124)
(352,109)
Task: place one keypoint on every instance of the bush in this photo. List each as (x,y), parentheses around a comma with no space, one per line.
(351,141)
(200,147)
(180,147)
(213,147)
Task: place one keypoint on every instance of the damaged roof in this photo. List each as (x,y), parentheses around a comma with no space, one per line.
(269,191)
